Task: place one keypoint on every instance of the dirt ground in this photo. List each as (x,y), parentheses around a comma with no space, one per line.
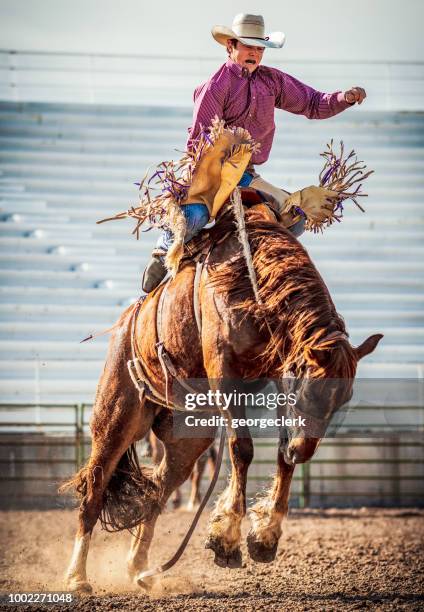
(327,560)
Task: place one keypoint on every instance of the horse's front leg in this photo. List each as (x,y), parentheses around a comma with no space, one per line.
(226,330)
(225,523)
(268,513)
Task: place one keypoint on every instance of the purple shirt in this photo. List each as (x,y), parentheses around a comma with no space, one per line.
(248,101)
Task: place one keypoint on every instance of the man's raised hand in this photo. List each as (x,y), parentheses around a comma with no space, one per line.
(355,95)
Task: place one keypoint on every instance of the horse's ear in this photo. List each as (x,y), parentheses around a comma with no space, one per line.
(367,346)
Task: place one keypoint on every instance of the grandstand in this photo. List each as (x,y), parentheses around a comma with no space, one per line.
(63,167)
(70,154)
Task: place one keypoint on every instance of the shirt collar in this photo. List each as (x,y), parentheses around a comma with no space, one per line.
(239,70)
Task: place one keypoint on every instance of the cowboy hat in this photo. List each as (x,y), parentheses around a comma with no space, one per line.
(249,30)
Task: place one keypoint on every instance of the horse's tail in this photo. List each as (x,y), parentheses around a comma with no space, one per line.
(131,497)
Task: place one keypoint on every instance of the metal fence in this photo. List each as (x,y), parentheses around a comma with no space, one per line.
(41,445)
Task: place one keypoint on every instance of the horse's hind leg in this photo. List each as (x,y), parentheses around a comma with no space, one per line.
(196,478)
(208,456)
(157,456)
(177,463)
(93,481)
(119,419)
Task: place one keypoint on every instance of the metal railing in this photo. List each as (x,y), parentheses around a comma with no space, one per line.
(71,433)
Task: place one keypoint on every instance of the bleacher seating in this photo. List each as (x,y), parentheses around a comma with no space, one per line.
(63,167)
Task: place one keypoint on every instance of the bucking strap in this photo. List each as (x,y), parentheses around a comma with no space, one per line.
(138,380)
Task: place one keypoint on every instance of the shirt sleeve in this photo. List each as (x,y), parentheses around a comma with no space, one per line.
(295,97)
(209,102)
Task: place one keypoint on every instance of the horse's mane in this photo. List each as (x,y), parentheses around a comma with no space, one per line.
(296,301)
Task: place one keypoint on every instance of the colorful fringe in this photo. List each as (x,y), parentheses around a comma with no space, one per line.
(339,174)
(162,193)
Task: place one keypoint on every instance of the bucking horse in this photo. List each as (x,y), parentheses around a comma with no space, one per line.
(207,323)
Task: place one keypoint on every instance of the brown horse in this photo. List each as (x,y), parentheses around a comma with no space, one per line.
(156,451)
(308,340)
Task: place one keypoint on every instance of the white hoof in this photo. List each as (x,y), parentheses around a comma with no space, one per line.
(192,506)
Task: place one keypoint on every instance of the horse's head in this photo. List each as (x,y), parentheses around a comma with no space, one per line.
(323,383)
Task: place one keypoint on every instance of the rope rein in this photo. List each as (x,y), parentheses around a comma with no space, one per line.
(237,207)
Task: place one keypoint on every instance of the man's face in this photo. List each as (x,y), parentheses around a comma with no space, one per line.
(248,57)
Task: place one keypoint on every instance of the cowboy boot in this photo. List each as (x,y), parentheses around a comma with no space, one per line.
(154,272)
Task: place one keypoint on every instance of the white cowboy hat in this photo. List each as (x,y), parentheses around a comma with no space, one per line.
(250,30)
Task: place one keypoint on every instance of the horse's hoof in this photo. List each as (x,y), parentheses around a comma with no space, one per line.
(231,559)
(258,551)
(78,586)
(145,583)
(191,506)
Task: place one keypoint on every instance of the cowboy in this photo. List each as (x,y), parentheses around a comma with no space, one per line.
(244,93)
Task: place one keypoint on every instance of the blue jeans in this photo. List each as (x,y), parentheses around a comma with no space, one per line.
(197,216)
